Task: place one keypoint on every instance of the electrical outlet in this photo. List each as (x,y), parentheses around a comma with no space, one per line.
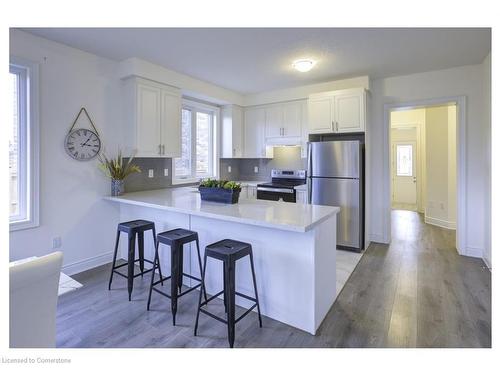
(151,173)
(228,169)
(256,169)
(56,242)
(165,172)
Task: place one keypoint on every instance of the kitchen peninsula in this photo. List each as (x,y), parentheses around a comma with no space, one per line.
(293,245)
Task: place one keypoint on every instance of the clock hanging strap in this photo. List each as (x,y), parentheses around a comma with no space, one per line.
(86,114)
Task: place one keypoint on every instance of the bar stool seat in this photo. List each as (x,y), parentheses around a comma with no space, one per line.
(176,239)
(228,251)
(133,229)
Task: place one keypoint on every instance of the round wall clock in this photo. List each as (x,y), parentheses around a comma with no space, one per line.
(82,144)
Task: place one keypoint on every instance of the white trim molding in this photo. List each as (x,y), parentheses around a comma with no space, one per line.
(32,144)
(461,229)
(86,264)
(471,251)
(440,222)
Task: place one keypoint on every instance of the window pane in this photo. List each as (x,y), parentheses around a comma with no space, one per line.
(203,149)
(13,134)
(183,164)
(404,160)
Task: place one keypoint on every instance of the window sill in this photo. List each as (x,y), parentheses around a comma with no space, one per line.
(22,224)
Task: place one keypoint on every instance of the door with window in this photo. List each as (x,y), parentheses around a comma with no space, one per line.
(404,175)
(197,159)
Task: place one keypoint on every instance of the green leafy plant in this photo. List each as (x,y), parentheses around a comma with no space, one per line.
(114,168)
(224,184)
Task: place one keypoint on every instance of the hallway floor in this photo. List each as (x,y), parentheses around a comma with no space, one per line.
(415,292)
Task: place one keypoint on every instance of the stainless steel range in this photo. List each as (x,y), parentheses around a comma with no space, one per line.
(282,185)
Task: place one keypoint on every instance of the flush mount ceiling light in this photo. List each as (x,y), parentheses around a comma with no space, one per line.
(303,65)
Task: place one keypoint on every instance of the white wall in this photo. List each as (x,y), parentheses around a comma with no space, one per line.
(466,80)
(439,168)
(487,111)
(71,192)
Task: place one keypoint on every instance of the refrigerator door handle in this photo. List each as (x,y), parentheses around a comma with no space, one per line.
(309,172)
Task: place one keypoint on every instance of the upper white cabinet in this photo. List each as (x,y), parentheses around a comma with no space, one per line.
(274,121)
(254,134)
(153,119)
(342,111)
(232,132)
(283,123)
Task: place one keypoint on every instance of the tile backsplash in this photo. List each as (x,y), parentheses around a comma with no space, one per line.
(243,169)
(141,181)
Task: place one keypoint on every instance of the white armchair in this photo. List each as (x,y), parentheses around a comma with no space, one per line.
(33,301)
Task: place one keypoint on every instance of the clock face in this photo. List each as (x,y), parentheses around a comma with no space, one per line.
(82,144)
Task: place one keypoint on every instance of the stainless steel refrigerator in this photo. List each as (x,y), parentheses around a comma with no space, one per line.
(335,170)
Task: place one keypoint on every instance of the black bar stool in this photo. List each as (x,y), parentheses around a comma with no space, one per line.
(176,239)
(132,228)
(228,251)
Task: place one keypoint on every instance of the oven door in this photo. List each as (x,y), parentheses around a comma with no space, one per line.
(276,194)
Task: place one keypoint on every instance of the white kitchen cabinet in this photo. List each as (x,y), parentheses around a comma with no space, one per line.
(254,134)
(292,119)
(251,192)
(232,132)
(342,111)
(274,121)
(152,121)
(284,123)
(301,196)
(244,192)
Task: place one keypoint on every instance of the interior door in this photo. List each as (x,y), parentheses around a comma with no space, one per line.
(404,175)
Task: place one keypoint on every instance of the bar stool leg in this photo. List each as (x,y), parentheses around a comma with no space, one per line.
(181,266)
(201,270)
(230,287)
(114,259)
(255,288)
(153,274)
(131,256)
(174,261)
(224,295)
(155,241)
(140,240)
(202,290)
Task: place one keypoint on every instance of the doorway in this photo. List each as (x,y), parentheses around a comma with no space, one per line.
(423,163)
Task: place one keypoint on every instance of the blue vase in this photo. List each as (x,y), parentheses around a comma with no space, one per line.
(117,188)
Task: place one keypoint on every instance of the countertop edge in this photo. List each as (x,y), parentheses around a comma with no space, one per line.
(290,228)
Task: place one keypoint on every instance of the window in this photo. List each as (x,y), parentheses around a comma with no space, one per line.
(404,160)
(22,133)
(198,156)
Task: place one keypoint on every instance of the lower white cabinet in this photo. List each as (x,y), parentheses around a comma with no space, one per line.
(301,196)
(252,192)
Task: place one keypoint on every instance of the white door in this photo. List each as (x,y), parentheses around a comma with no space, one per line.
(404,175)
(292,119)
(254,133)
(320,115)
(349,113)
(148,120)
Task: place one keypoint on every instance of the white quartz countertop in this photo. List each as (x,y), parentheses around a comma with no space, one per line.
(296,217)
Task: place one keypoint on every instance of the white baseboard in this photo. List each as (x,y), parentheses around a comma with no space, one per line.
(475,252)
(377,238)
(487,262)
(440,223)
(86,264)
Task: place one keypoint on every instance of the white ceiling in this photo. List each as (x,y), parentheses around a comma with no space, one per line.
(254,60)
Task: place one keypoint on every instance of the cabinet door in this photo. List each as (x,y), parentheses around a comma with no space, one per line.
(292,119)
(244,192)
(320,115)
(252,192)
(237,133)
(274,121)
(148,129)
(171,124)
(302,196)
(349,113)
(254,133)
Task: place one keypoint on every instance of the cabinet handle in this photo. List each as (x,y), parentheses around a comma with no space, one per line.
(333,126)
(159,149)
(163,149)
(337,124)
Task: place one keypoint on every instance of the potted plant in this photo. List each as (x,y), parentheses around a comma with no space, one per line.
(219,191)
(116,170)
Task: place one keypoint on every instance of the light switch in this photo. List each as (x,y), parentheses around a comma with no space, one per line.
(256,169)
(151,173)
(56,242)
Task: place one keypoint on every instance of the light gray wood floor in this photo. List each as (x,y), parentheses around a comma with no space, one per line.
(415,292)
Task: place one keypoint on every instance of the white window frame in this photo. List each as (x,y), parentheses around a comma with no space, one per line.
(29,139)
(194,107)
